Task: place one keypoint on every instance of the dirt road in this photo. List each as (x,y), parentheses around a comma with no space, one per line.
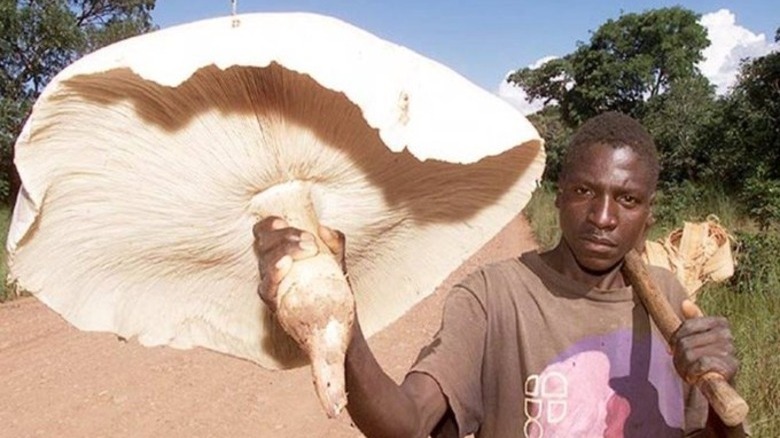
(56,381)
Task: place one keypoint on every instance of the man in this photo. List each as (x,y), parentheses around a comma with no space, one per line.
(552,343)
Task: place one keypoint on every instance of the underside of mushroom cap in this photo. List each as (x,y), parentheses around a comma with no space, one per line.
(142,164)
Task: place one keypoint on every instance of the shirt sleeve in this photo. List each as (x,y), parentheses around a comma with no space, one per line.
(454,357)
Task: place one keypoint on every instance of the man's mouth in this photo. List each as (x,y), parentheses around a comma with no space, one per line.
(599,241)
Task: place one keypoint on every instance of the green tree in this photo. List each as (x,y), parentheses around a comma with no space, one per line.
(759,85)
(38,38)
(627,62)
(747,130)
(679,120)
(745,139)
(556,135)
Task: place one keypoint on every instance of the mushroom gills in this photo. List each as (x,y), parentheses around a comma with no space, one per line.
(315,304)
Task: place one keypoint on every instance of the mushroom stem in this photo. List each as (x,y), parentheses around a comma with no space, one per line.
(328,370)
(315,305)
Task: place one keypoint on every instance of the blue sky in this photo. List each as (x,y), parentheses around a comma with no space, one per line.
(483,40)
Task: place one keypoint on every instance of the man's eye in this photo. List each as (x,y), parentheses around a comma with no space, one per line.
(581,191)
(630,200)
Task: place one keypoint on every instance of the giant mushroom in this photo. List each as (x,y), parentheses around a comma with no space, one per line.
(146,163)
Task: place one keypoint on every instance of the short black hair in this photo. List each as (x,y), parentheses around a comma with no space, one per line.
(617,130)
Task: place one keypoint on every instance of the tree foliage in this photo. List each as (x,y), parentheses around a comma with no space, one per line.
(556,135)
(759,86)
(627,62)
(745,139)
(745,135)
(38,38)
(677,120)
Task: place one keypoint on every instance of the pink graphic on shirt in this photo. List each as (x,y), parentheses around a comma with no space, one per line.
(574,398)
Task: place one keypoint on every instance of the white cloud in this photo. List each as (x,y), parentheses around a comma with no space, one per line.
(541,61)
(516,96)
(729,44)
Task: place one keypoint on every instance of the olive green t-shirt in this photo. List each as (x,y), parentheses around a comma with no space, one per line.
(525,352)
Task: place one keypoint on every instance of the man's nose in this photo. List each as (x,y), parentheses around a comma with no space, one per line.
(603,213)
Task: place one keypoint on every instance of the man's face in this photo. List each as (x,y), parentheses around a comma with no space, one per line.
(604,205)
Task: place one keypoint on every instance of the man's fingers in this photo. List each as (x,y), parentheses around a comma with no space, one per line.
(690,310)
(306,247)
(267,224)
(333,239)
(277,246)
(724,364)
(275,239)
(703,344)
(719,337)
(281,269)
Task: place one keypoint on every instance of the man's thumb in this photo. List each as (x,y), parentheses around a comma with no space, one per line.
(691,310)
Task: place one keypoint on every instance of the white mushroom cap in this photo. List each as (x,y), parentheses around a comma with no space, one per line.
(143,165)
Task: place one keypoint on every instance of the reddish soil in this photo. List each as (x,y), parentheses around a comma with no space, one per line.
(56,381)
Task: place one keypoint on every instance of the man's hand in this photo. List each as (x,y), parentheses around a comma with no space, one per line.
(278,245)
(703,344)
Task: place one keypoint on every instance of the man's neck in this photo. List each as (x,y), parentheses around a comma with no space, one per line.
(562,260)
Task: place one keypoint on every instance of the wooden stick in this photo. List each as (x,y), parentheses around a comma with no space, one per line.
(728,404)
